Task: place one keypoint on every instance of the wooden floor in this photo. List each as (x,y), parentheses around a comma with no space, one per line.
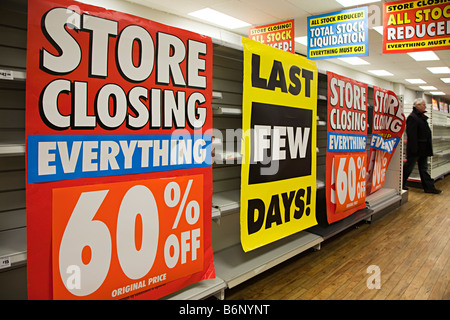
(410,245)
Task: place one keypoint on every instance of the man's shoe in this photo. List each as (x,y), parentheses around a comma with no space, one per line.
(435,191)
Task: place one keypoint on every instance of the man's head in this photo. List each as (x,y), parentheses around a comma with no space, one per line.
(420,104)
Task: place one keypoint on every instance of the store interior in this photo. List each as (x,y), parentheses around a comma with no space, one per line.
(408,75)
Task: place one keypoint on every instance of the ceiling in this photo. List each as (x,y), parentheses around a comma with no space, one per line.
(260,12)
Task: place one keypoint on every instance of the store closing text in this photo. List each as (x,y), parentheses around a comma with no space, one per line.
(164,61)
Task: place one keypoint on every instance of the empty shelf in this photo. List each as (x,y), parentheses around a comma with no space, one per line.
(235,266)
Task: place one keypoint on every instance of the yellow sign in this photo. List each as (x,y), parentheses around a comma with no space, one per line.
(278,177)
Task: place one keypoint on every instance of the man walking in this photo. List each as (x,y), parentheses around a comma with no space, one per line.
(419,146)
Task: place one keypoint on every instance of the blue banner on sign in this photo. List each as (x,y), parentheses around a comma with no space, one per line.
(338,34)
(65,157)
(387,145)
(344,142)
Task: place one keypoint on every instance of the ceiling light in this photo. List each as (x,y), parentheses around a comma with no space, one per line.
(439,69)
(302,40)
(219,18)
(446,80)
(437,93)
(427,88)
(378,29)
(423,55)
(381,72)
(350,3)
(354,61)
(415,81)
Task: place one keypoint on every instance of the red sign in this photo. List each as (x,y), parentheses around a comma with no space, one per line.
(278,35)
(345,183)
(350,181)
(410,26)
(388,125)
(119,174)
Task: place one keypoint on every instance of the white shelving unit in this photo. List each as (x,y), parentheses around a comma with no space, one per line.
(440,162)
(235,266)
(200,290)
(13,247)
(12,149)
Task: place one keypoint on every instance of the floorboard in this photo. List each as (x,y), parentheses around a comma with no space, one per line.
(410,245)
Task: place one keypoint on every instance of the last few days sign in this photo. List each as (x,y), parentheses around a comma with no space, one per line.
(278,177)
(118,160)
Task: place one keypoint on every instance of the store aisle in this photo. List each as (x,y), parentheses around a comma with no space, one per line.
(409,245)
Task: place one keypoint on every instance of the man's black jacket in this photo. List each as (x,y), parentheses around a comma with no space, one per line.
(418,134)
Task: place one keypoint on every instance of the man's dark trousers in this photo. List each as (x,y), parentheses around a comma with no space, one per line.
(427,182)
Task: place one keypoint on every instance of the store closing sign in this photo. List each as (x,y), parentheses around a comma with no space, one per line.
(278,35)
(410,26)
(119,173)
(389,122)
(346,160)
(278,177)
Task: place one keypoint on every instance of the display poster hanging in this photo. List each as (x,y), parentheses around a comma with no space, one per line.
(443,106)
(410,26)
(338,34)
(345,181)
(279,35)
(388,125)
(119,174)
(434,104)
(278,176)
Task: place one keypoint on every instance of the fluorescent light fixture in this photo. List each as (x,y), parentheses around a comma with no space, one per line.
(378,29)
(302,40)
(219,18)
(427,88)
(415,81)
(355,61)
(445,80)
(437,93)
(381,73)
(423,55)
(439,70)
(351,3)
